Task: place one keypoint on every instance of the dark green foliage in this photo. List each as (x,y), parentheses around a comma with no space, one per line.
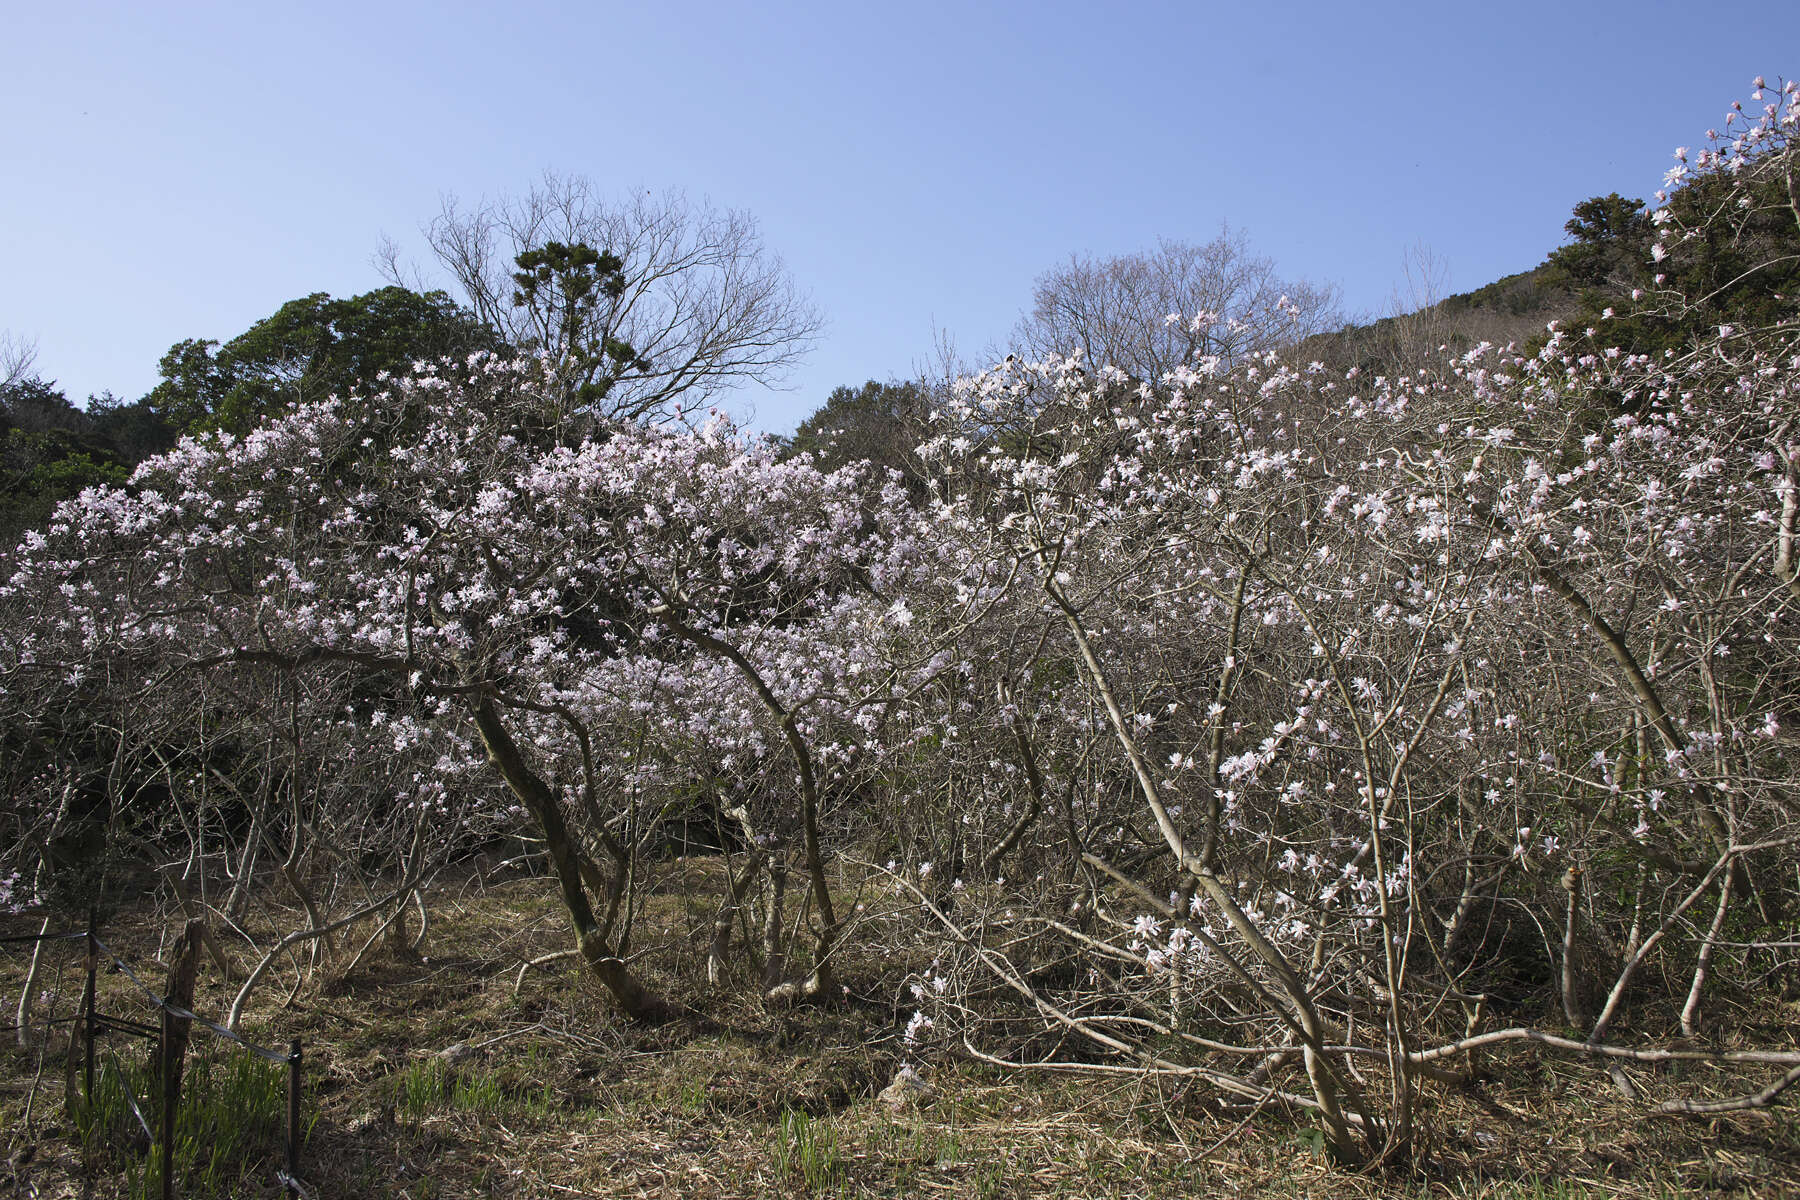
(132,431)
(309,349)
(880,423)
(51,450)
(34,406)
(1743,267)
(38,469)
(560,287)
(1612,241)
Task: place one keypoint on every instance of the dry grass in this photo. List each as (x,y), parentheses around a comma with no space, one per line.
(559,1098)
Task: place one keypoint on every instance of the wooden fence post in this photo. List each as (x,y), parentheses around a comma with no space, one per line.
(179,994)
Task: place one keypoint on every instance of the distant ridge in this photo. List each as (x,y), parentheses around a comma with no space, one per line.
(1514,308)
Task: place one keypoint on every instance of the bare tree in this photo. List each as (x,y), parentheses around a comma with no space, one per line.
(1418,325)
(697,305)
(1149,313)
(17,355)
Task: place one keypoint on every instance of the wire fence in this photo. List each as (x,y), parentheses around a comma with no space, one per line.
(171,1036)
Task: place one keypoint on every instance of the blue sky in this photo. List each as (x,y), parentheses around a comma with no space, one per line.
(182,169)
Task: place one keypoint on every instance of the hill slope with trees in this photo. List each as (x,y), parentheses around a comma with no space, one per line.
(1303,740)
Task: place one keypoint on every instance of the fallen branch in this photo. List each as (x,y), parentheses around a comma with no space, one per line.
(1602,1050)
(540,961)
(1762,1099)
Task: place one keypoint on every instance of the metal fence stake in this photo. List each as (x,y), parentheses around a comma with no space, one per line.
(171,1090)
(169,1055)
(293,1098)
(89,1023)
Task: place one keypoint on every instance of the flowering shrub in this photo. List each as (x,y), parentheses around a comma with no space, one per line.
(1373,701)
(1271,728)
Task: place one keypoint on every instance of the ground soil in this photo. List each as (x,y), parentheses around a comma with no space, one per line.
(548,1093)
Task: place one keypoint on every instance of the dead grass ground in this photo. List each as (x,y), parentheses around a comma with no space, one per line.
(554,1096)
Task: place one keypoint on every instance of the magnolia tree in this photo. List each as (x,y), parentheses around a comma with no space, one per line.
(1284,732)
(1411,689)
(222,783)
(1367,687)
(1262,664)
(621,624)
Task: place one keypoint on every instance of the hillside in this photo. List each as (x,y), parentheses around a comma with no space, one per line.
(1513,308)
(1247,777)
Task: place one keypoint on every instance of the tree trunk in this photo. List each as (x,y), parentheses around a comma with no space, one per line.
(639,1003)
(720,948)
(28,994)
(774,959)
